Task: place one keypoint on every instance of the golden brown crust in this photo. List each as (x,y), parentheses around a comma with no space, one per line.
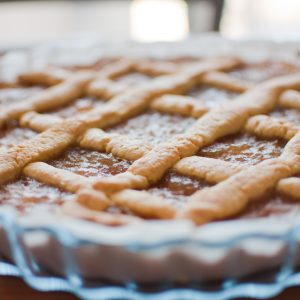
(290,187)
(144,204)
(290,99)
(39,122)
(49,77)
(63,179)
(267,127)
(207,169)
(155,68)
(74,209)
(227,82)
(118,68)
(183,105)
(105,88)
(119,145)
(92,199)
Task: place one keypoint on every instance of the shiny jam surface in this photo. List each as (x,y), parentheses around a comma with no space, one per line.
(12,95)
(258,72)
(82,105)
(211,96)
(243,148)
(272,205)
(90,163)
(13,135)
(177,187)
(153,127)
(26,193)
(290,115)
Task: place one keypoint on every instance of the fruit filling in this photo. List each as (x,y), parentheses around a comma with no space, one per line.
(90,163)
(243,149)
(258,72)
(211,96)
(153,127)
(78,107)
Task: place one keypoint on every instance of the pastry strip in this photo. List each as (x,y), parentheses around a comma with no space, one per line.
(39,122)
(105,88)
(49,77)
(119,145)
(290,99)
(290,187)
(227,82)
(268,127)
(144,204)
(155,68)
(63,179)
(208,169)
(116,69)
(75,209)
(183,105)
(140,203)
(92,199)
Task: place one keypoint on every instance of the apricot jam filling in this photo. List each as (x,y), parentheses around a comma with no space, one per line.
(13,95)
(78,107)
(288,114)
(177,187)
(271,205)
(90,163)
(13,135)
(153,127)
(243,149)
(211,96)
(258,72)
(27,193)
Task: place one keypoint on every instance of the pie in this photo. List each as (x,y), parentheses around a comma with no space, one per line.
(111,166)
(126,140)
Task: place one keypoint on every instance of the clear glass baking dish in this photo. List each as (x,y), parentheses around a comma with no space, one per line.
(265,281)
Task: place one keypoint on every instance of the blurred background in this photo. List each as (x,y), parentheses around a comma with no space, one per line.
(30,22)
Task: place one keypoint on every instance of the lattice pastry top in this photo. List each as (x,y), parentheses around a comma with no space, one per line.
(125,140)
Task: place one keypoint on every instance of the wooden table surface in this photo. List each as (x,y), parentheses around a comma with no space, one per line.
(15,289)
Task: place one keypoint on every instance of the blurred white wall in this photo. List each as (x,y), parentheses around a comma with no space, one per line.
(29,22)
(279,19)
(33,21)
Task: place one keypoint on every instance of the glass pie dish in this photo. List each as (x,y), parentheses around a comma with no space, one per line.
(250,252)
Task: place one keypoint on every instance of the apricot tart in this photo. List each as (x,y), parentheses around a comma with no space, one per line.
(127,140)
